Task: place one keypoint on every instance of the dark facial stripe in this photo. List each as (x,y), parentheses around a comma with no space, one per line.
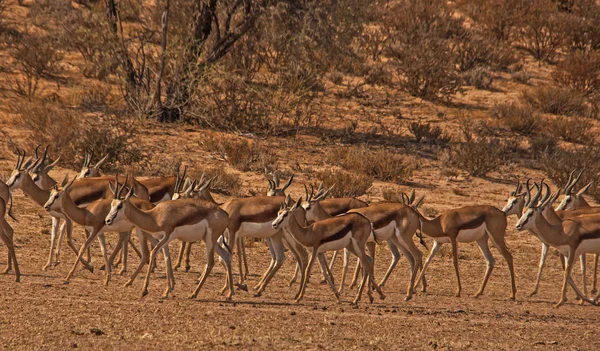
(337,236)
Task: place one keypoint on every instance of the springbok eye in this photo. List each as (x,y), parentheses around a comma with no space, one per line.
(119,206)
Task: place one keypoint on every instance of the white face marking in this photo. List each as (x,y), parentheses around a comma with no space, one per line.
(281,215)
(84,173)
(52,204)
(12,180)
(115,214)
(566,203)
(526,220)
(512,201)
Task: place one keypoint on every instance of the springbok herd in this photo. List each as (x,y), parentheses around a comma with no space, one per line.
(166,208)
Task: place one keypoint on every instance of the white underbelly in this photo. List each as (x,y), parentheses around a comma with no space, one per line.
(57,214)
(256,230)
(466,235)
(336,244)
(589,246)
(121,226)
(384,233)
(191,233)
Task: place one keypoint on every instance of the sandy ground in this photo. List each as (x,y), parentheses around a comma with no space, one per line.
(42,312)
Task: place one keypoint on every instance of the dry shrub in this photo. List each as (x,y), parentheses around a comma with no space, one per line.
(519,118)
(558,164)
(88,34)
(571,129)
(419,47)
(36,58)
(498,18)
(541,30)
(478,157)
(243,155)
(381,164)
(479,77)
(161,165)
(433,134)
(94,97)
(69,136)
(336,77)
(582,32)
(109,135)
(226,183)
(555,100)
(48,124)
(579,71)
(541,145)
(346,183)
(521,76)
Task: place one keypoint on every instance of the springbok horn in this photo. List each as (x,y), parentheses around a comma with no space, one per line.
(536,197)
(276,178)
(547,195)
(288,183)
(306,192)
(570,184)
(35,152)
(102,161)
(412,197)
(528,197)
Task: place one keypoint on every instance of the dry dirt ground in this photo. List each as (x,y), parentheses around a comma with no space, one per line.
(42,312)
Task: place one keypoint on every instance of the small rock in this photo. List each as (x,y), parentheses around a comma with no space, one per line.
(97,331)
(292,313)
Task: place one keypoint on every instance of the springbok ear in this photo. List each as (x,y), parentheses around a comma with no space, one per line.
(129,193)
(404,199)
(297,204)
(101,162)
(276,178)
(585,188)
(288,200)
(271,184)
(412,197)
(70,183)
(64,181)
(112,189)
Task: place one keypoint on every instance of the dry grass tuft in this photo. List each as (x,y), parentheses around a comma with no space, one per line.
(346,183)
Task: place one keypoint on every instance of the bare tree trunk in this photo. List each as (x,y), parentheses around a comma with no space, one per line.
(163,47)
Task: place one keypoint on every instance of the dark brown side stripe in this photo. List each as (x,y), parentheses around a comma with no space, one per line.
(337,236)
(472,224)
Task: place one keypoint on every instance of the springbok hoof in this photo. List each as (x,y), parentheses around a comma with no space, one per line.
(144,293)
(241,286)
(408,298)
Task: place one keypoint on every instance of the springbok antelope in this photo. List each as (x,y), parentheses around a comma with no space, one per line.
(40,169)
(349,231)
(274,189)
(396,224)
(333,207)
(577,202)
(185,219)
(92,218)
(468,224)
(83,192)
(572,238)
(88,171)
(252,217)
(558,216)
(6,235)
